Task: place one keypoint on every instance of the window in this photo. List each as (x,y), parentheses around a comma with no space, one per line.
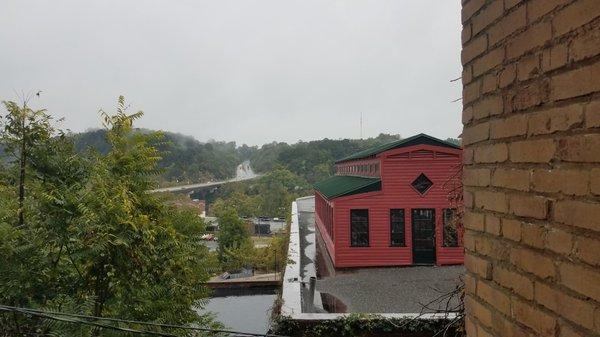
(397,228)
(450,232)
(422,183)
(359,227)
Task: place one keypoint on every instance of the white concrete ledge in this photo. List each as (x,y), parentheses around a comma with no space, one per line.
(291,292)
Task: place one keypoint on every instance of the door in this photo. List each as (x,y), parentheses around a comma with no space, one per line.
(423,235)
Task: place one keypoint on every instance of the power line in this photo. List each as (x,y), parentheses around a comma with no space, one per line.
(52,315)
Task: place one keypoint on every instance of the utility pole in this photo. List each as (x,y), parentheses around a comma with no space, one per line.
(361,125)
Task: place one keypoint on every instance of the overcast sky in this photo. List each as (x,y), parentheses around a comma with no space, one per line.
(253,71)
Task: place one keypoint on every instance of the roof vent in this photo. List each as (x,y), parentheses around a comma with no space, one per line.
(422,183)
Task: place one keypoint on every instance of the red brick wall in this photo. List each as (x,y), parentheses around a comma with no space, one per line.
(531,114)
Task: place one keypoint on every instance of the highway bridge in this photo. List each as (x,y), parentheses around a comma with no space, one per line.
(243,172)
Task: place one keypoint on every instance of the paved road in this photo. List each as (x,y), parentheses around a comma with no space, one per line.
(243,172)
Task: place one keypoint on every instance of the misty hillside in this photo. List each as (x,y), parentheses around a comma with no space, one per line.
(186,159)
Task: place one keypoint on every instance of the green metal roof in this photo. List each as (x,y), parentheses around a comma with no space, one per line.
(414,140)
(338,186)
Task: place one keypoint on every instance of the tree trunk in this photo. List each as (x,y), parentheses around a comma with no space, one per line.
(22,163)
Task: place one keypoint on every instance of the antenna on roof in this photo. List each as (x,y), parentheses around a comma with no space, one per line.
(361,137)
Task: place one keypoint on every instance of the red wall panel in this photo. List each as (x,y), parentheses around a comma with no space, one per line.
(399,168)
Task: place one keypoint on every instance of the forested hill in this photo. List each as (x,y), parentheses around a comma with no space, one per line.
(185,159)
(314,160)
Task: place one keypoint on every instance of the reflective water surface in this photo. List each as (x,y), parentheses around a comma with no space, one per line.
(248,313)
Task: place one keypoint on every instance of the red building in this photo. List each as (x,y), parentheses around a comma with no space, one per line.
(389,206)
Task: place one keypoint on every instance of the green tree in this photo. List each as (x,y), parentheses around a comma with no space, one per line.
(96,242)
(233,234)
(24,130)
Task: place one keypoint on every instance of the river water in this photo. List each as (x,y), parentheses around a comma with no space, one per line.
(246,313)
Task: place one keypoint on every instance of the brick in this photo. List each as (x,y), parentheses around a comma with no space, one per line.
(557,119)
(508,4)
(478,266)
(577,82)
(483,245)
(477,310)
(471,8)
(488,61)
(508,127)
(471,92)
(466,33)
(578,213)
(533,262)
(481,332)
(559,241)
(573,309)
(489,83)
(587,250)
(567,331)
(484,18)
(506,328)
(495,153)
(493,248)
(507,25)
(527,96)
(555,57)
(532,151)
(583,148)
(514,281)
(507,75)
(470,327)
(467,74)
(533,235)
(473,48)
(476,177)
(511,178)
(493,296)
(470,283)
(595,181)
(529,206)
(489,106)
(533,37)
(582,280)
(492,225)
(566,181)
(585,45)
(538,8)
(474,221)
(511,229)
(575,15)
(468,155)
(467,115)
(475,134)
(592,115)
(528,67)
(468,199)
(469,241)
(540,322)
(491,201)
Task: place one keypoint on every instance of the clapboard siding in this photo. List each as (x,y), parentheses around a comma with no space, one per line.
(398,169)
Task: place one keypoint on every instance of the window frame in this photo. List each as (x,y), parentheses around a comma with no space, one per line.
(352,242)
(403,227)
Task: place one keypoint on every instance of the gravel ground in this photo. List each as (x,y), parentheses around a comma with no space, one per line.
(392,290)
(377,290)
